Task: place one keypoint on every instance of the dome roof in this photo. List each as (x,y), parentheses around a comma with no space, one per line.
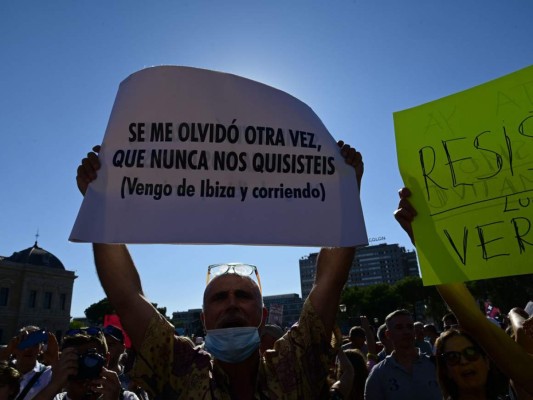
(35,255)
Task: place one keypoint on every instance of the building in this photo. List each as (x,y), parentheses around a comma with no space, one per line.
(35,289)
(381,263)
(289,306)
(188,322)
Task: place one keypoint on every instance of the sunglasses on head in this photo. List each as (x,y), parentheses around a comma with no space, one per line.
(232,268)
(470,354)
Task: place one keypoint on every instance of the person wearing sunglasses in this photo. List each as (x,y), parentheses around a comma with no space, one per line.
(464,370)
(24,350)
(82,372)
(229,365)
(512,359)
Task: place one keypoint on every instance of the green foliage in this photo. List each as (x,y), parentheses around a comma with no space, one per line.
(377,301)
(75,325)
(96,312)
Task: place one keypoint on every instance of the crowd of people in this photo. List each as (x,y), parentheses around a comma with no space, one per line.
(241,357)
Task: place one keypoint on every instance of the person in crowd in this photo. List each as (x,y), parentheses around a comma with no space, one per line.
(464,370)
(420,339)
(24,351)
(233,315)
(9,381)
(357,339)
(449,321)
(521,325)
(431,333)
(360,374)
(82,371)
(270,334)
(116,345)
(511,358)
(343,377)
(386,343)
(405,373)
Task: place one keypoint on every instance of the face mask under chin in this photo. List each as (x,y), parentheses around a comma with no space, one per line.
(232,345)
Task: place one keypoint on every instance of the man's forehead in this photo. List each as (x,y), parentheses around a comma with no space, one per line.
(228,282)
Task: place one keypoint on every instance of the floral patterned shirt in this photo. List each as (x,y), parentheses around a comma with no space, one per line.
(170,367)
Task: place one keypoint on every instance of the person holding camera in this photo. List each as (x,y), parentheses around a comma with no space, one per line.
(81,373)
(23,352)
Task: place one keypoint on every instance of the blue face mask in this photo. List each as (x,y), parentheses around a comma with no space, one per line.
(232,345)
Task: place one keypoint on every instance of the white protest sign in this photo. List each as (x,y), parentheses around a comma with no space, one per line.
(197,156)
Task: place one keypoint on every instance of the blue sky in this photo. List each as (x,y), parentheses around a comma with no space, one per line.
(354,62)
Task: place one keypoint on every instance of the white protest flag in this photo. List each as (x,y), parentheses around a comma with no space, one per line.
(197,156)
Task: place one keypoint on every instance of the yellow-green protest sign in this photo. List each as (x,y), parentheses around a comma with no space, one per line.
(468,160)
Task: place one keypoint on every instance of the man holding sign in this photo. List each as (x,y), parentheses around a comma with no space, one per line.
(233,317)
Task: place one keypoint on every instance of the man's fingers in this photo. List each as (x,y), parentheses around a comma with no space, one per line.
(404,193)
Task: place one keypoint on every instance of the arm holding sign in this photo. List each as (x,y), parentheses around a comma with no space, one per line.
(512,359)
(116,269)
(333,264)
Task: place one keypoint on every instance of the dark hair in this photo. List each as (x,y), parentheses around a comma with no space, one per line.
(357,359)
(10,377)
(496,382)
(432,328)
(381,332)
(397,313)
(357,331)
(80,339)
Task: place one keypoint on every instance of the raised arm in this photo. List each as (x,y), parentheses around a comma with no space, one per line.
(116,269)
(333,264)
(512,359)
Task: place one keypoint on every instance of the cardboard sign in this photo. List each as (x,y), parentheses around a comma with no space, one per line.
(197,156)
(468,160)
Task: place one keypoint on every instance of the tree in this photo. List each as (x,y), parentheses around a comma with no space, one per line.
(96,312)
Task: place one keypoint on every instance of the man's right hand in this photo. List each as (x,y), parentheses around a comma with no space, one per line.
(87,170)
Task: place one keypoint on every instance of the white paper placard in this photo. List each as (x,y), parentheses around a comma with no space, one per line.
(197,156)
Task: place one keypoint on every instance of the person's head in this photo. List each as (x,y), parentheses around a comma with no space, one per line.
(449,321)
(233,313)
(9,382)
(357,336)
(114,338)
(382,337)
(27,350)
(400,329)
(91,347)
(462,366)
(419,331)
(232,299)
(269,334)
(430,331)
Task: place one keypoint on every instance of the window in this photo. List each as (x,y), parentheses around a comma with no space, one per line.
(62,301)
(32,301)
(4,296)
(47,304)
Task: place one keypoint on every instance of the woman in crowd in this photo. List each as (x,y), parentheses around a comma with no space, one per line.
(514,359)
(464,370)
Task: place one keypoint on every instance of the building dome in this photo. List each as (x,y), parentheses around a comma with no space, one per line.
(36,255)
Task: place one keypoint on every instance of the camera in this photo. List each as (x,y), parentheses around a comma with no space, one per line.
(90,365)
